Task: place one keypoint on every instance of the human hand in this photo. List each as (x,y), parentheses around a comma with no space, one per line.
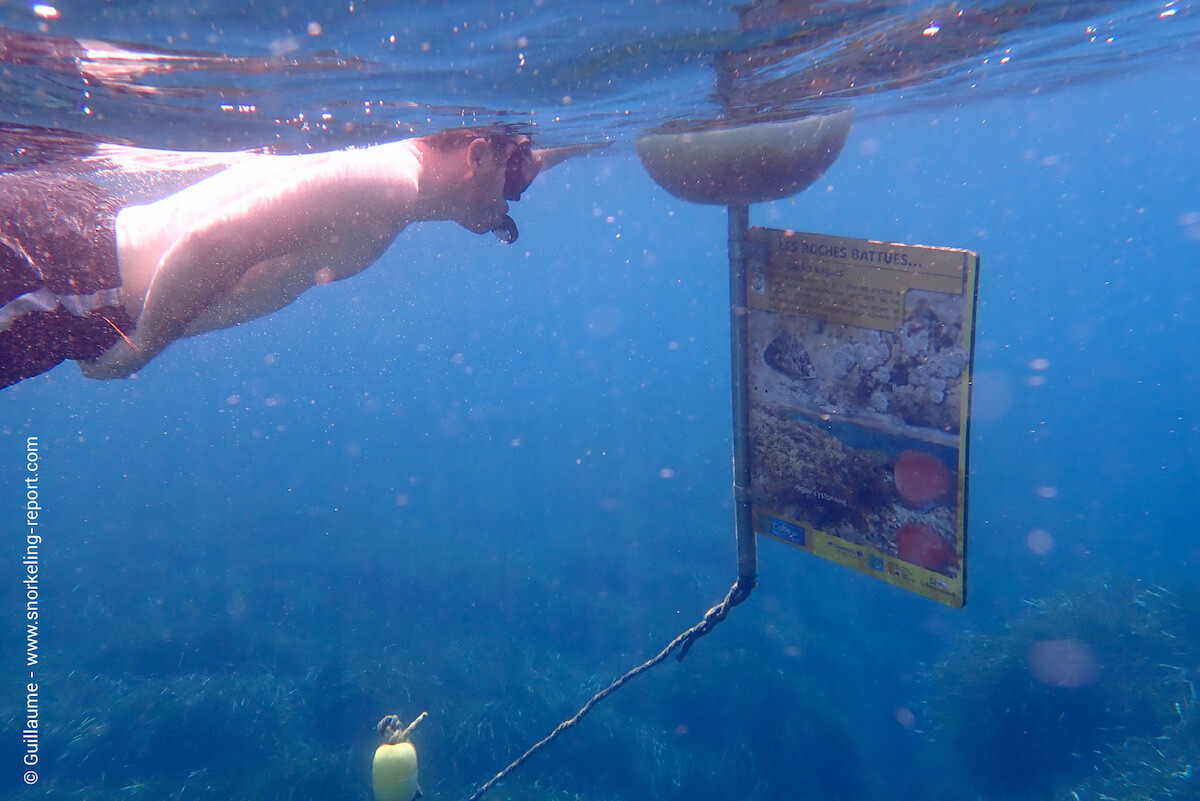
(121,360)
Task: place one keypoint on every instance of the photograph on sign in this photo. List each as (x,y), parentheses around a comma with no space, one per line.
(859,378)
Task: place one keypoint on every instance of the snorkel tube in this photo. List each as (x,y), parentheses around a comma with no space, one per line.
(506,231)
(524,165)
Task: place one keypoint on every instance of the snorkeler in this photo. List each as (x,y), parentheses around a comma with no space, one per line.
(110,287)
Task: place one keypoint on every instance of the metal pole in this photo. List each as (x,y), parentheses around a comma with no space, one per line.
(747,546)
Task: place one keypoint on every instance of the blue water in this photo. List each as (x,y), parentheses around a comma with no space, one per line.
(484,481)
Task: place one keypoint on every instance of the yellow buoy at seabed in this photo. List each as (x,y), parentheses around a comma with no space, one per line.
(394,772)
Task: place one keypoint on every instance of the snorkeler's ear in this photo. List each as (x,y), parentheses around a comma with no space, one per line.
(478,152)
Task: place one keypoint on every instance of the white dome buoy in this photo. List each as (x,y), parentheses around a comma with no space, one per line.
(746,162)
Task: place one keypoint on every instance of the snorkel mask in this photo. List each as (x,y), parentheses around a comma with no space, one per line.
(523,165)
(520,170)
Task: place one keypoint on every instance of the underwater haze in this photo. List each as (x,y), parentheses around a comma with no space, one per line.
(484,481)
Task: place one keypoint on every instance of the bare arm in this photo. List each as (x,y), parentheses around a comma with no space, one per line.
(256,243)
(268,287)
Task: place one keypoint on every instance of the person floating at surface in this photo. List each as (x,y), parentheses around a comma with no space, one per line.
(110,287)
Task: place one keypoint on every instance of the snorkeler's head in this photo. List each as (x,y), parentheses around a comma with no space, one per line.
(512,151)
(516,163)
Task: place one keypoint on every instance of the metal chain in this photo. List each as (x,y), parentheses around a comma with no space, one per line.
(737,593)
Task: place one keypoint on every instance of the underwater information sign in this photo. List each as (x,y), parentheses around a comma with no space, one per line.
(859,377)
